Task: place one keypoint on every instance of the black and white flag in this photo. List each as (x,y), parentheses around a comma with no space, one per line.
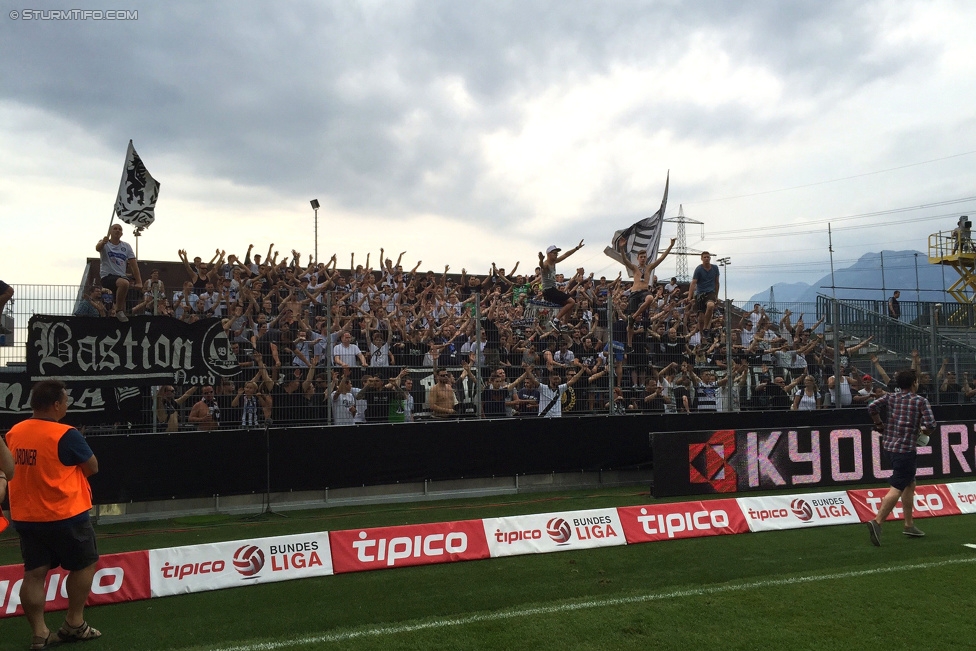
(645,235)
(136,203)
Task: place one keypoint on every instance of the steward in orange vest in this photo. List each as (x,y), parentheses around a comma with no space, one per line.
(49,502)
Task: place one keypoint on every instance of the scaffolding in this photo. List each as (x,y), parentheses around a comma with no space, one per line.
(955,249)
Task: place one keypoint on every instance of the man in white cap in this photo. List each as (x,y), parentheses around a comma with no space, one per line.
(550,292)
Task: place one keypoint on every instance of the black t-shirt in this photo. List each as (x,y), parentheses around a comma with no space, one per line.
(493,402)
(655,404)
(377,403)
(489,331)
(619,329)
(263,343)
(776,396)
(952,394)
(894,309)
(450,355)
(413,353)
(673,349)
(229,416)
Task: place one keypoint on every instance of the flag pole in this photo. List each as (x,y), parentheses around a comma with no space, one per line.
(121,185)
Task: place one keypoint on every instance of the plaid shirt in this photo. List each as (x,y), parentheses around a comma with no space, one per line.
(906,412)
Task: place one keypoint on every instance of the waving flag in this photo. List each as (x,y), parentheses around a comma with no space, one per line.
(645,235)
(136,203)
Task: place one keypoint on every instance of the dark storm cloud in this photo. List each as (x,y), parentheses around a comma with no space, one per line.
(349,101)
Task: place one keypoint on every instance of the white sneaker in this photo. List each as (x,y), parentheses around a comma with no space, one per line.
(120,315)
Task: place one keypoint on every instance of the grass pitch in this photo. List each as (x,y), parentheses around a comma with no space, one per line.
(824,588)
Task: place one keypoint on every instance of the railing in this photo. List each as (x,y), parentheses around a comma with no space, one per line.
(937,354)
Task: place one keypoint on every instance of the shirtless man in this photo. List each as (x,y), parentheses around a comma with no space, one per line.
(640,299)
(442,398)
(205,414)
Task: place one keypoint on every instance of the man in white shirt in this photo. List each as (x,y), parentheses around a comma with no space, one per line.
(551,394)
(348,354)
(115,256)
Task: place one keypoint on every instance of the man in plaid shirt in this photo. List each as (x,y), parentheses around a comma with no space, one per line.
(908,413)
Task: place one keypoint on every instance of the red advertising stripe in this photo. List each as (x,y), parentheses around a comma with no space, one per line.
(379,548)
(930,501)
(118,578)
(656,522)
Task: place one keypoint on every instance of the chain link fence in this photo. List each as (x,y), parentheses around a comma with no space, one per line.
(493,356)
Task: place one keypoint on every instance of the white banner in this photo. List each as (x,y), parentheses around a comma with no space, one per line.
(196,568)
(553,532)
(964,493)
(776,512)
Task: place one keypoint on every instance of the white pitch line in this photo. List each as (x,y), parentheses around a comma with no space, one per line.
(582,605)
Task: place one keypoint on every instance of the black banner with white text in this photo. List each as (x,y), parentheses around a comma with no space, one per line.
(145,350)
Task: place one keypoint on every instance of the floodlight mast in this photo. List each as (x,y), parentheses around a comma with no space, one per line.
(315,208)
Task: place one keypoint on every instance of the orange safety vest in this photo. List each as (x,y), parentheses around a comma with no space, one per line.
(43,489)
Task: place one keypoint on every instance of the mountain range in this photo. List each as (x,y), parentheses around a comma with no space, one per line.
(863,280)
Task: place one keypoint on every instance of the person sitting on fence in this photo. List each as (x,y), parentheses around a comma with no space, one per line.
(641,298)
(550,292)
(115,257)
(703,290)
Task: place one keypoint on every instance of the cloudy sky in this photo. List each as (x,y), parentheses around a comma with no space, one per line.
(471,132)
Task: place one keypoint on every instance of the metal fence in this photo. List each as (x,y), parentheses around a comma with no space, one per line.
(27,301)
(292,394)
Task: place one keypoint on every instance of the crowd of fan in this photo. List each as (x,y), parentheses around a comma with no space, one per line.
(318,344)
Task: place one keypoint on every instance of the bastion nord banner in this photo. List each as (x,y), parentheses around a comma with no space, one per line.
(146,350)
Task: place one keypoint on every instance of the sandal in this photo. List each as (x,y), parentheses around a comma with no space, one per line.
(38,642)
(81,633)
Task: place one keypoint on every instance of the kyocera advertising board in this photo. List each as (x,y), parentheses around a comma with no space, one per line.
(732,461)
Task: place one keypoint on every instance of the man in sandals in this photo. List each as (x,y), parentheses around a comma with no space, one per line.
(49,503)
(908,415)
